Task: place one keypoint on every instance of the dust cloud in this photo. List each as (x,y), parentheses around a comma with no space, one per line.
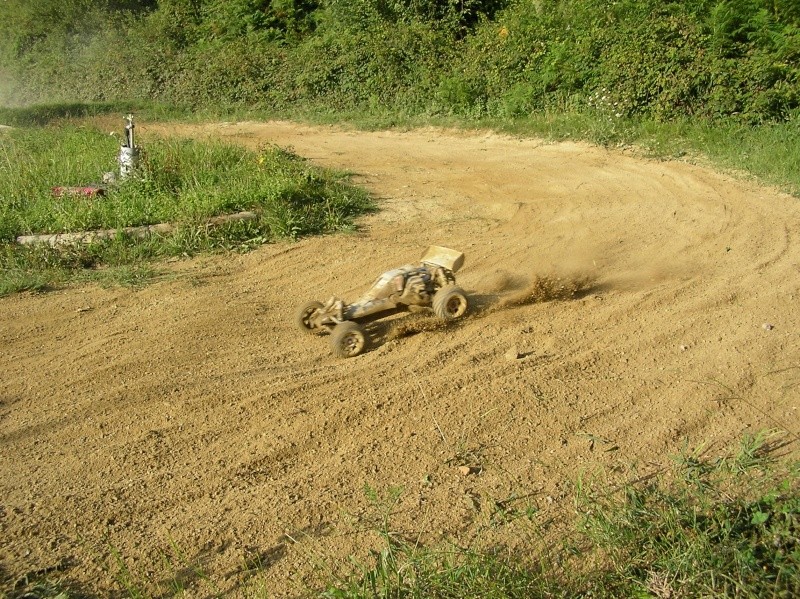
(509,290)
(505,290)
(547,288)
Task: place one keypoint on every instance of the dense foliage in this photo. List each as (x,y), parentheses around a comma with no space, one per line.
(661,59)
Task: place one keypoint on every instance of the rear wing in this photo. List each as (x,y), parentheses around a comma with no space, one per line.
(445,257)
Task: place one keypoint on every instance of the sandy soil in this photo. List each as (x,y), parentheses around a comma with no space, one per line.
(189,429)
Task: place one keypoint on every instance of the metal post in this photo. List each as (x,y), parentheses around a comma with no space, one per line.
(128,152)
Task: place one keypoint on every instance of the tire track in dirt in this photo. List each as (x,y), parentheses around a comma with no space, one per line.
(190,413)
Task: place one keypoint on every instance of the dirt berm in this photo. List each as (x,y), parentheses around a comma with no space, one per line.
(188,430)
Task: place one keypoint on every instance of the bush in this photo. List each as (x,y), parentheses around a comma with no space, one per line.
(727,59)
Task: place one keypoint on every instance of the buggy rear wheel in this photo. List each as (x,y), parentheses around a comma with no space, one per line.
(348,339)
(450,303)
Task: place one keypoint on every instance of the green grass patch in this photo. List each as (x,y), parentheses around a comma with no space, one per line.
(713,528)
(181,182)
(725,527)
(701,527)
(769,153)
(40,115)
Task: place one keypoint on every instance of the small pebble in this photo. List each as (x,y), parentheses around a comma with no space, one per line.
(467,470)
(767,327)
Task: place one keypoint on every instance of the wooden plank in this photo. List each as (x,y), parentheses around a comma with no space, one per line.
(87,237)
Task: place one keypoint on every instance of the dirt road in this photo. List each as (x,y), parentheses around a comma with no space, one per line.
(189,429)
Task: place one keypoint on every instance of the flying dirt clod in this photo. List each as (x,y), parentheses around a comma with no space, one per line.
(431,284)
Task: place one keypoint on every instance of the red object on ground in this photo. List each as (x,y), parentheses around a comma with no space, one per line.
(88,191)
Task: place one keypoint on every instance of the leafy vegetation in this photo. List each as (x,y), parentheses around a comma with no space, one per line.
(181,182)
(698,59)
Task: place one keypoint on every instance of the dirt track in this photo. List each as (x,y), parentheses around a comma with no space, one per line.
(190,417)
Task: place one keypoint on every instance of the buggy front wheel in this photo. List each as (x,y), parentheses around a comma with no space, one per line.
(450,303)
(305,317)
(348,339)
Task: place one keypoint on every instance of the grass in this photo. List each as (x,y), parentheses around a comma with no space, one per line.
(180,182)
(770,153)
(726,527)
(717,528)
(703,527)
(45,114)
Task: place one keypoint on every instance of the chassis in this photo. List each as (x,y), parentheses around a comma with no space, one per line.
(429,284)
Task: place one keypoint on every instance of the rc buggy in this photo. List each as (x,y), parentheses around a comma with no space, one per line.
(432,284)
